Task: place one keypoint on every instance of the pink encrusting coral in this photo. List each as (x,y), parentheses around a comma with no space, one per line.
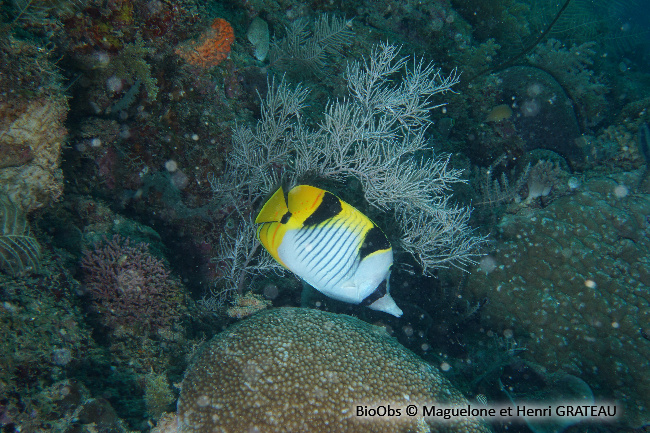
(130,288)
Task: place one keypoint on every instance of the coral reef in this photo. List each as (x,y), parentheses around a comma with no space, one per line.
(82,222)
(43,339)
(64,406)
(545,177)
(304,50)
(512,16)
(433,27)
(33,110)
(246,305)
(158,395)
(130,66)
(166,424)
(570,282)
(513,112)
(290,369)
(133,87)
(494,186)
(36,127)
(130,288)
(616,147)
(541,116)
(135,359)
(527,383)
(544,116)
(20,251)
(572,67)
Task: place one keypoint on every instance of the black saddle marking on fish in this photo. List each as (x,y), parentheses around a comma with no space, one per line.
(379,293)
(329,207)
(375,240)
(285,218)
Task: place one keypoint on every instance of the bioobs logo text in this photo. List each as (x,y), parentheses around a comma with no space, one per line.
(378,411)
(565,411)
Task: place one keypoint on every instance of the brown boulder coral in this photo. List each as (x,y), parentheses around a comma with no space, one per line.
(571,283)
(303,370)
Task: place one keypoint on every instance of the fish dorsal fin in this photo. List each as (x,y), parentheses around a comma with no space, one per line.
(274,209)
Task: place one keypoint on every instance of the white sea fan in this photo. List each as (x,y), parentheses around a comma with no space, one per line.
(376,136)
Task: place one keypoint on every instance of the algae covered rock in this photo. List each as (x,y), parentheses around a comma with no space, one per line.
(33,110)
(293,369)
(543,113)
(31,138)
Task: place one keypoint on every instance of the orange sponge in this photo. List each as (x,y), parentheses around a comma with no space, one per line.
(212,47)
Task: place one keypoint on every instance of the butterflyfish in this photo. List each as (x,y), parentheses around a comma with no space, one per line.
(330,245)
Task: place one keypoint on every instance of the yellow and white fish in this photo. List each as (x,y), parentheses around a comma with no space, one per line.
(329,244)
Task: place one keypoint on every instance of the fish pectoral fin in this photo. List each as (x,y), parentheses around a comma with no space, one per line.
(345,292)
(352,291)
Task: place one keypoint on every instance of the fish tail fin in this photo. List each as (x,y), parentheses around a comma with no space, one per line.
(274,209)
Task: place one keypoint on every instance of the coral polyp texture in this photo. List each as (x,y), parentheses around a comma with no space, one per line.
(293,369)
(212,47)
(31,137)
(571,283)
(130,288)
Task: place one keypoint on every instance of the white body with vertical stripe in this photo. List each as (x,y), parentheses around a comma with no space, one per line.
(329,261)
(330,245)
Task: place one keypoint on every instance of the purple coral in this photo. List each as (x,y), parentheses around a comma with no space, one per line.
(129,287)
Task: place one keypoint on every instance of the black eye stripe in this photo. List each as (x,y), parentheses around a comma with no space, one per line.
(329,207)
(285,218)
